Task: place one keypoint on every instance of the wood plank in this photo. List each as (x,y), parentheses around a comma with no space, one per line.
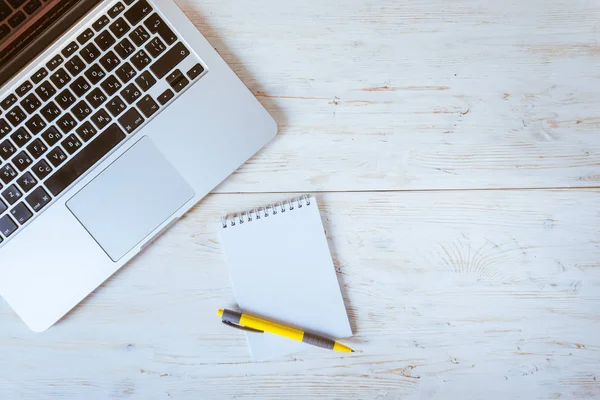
(392,95)
(450,294)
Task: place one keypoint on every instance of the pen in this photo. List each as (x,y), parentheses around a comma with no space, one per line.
(253,324)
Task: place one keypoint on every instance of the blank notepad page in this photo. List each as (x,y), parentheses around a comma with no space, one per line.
(282,270)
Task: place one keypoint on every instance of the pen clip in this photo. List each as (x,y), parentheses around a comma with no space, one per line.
(242,328)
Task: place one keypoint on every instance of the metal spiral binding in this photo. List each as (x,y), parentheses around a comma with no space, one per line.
(264,212)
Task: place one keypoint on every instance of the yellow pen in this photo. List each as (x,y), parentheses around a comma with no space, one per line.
(253,324)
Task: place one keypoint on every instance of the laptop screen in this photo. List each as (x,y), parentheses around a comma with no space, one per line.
(27,27)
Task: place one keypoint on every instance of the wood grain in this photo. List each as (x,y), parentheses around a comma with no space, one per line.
(450,294)
(387,110)
(388,95)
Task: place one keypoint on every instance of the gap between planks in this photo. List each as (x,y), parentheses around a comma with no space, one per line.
(586,188)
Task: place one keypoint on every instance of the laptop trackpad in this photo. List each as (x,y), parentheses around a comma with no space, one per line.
(130,198)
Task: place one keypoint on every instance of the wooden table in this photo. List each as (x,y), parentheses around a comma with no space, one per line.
(454,148)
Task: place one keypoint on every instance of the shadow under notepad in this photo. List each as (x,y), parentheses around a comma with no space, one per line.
(338,269)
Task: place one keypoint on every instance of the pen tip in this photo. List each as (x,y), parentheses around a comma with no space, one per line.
(353,351)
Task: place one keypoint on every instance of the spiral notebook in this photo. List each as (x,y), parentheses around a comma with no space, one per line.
(281,269)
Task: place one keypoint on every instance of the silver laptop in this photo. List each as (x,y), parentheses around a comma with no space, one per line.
(116,118)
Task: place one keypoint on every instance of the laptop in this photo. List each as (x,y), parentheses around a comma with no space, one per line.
(116,117)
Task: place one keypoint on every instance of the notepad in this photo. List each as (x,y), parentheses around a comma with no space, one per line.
(281,270)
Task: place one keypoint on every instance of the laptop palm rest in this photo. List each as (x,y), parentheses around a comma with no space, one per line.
(130,199)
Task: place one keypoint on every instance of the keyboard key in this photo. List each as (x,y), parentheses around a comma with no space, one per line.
(30,103)
(90,53)
(41,169)
(7,149)
(21,213)
(153,23)
(5,128)
(71,144)
(131,93)
(195,71)
(145,81)
(169,60)
(65,99)
(140,59)
(111,85)
(5,10)
(116,10)
(70,49)
(155,47)
(66,123)
(139,36)
(119,28)
(12,194)
(52,136)
(131,120)
(147,106)
(20,137)
(75,66)
(95,74)
(174,76)
(4,31)
(24,88)
(16,3)
(124,48)
(9,101)
(38,199)
(104,40)
(85,36)
(7,226)
(101,119)
(128,2)
(16,19)
(85,159)
(81,110)
(32,6)
(54,62)
(50,111)
(80,86)
(116,106)
(100,23)
(22,161)
(37,148)
(86,131)
(38,76)
(26,182)
(16,116)
(126,72)
(165,96)
(109,61)
(96,98)
(2,209)
(35,124)
(56,156)
(137,12)
(60,78)
(167,34)
(45,90)
(7,173)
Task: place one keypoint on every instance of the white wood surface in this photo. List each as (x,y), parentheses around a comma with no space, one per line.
(454,148)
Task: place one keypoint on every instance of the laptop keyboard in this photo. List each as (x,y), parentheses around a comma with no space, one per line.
(14,12)
(83,101)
